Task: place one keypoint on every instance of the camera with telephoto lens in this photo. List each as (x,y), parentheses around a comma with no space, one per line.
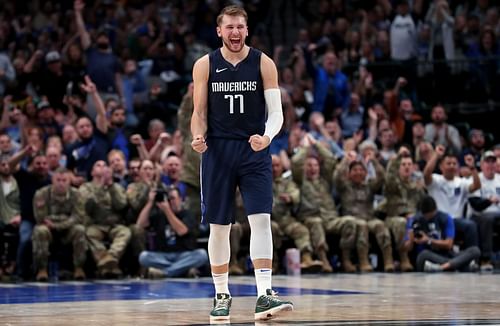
(161,195)
(418,230)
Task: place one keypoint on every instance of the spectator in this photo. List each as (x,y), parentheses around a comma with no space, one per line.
(69,136)
(403,190)
(286,199)
(45,119)
(476,146)
(101,204)
(313,175)
(171,173)
(485,204)
(439,132)
(331,90)
(89,149)
(356,198)
(403,40)
(10,215)
(6,147)
(11,121)
(388,146)
(29,181)
(451,192)
(118,165)
(58,221)
(351,119)
(133,169)
(54,157)
(442,46)
(174,253)
(7,72)
(102,65)
(433,231)
(52,82)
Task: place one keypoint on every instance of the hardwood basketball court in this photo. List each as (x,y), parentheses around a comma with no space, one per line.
(337,299)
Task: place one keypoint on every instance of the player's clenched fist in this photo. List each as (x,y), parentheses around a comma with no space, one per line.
(199,144)
(258,142)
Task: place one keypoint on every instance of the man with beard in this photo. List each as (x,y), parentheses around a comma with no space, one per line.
(90,149)
(451,192)
(237,112)
(439,132)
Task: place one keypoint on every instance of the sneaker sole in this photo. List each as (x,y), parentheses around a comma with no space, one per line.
(273,312)
(218,318)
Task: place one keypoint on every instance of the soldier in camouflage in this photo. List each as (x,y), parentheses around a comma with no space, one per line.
(356,196)
(403,190)
(57,220)
(314,176)
(137,197)
(286,198)
(102,203)
(191,159)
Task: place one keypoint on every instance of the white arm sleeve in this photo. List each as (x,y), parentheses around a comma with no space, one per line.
(274,112)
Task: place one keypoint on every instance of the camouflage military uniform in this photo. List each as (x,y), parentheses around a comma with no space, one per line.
(191,159)
(401,198)
(60,210)
(282,213)
(137,197)
(102,208)
(357,201)
(10,204)
(317,209)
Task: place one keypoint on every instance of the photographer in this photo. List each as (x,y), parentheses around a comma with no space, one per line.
(432,232)
(174,253)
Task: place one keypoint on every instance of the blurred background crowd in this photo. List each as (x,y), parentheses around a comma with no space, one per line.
(385,102)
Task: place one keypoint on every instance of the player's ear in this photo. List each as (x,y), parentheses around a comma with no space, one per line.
(218,31)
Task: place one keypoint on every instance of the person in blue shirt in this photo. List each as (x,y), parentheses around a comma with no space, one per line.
(431,233)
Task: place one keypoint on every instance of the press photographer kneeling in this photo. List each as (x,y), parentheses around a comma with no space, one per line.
(174,252)
(432,233)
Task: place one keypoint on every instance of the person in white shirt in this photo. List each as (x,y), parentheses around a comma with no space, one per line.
(451,192)
(485,205)
(403,34)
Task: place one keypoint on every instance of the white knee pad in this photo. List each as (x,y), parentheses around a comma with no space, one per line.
(261,240)
(219,250)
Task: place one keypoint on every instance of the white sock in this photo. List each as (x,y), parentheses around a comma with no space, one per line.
(263,280)
(221,283)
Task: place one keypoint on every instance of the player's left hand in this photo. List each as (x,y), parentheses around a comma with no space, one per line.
(258,142)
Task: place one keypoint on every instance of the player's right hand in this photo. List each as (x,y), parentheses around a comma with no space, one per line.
(199,144)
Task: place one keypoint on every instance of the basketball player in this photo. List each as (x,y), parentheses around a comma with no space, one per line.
(232,88)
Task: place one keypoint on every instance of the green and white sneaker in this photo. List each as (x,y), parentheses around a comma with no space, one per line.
(222,303)
(270,305)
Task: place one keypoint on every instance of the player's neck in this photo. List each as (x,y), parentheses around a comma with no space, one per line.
(235,57)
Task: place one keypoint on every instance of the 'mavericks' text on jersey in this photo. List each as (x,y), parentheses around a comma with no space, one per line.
(236,104)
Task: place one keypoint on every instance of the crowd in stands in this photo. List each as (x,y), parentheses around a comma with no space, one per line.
(95,155)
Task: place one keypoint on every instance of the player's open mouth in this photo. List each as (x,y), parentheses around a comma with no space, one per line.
(235,41)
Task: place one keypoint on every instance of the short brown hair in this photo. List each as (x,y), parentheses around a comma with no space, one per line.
(232,11)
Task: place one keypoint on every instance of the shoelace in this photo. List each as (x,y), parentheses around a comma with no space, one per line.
(273,297)
(221,303)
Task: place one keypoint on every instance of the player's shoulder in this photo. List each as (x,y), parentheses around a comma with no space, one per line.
(202,62)
(265,59)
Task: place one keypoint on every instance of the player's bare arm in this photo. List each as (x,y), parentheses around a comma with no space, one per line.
(200,94)
(272,96)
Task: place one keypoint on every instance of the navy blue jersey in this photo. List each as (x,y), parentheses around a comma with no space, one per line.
(236,104)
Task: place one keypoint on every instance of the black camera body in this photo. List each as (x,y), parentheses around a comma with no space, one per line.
(418,229)
(161,195)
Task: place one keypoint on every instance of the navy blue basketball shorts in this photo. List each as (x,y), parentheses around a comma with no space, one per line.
(230,163)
